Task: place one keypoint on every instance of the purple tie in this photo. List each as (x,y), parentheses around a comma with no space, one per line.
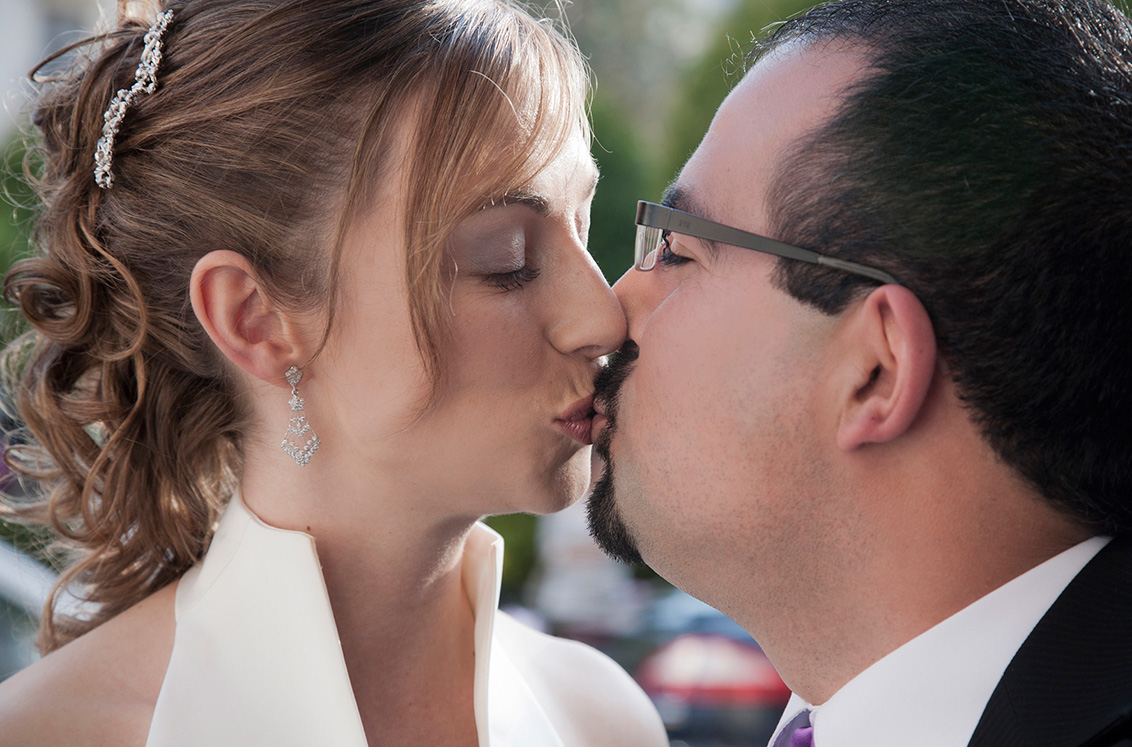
(802,736)
(801,732)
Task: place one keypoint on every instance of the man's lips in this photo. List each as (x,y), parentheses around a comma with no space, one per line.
(607,386)
(597,424)
(600,416)
(576,422)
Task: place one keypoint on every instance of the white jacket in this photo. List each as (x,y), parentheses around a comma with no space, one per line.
(257,661)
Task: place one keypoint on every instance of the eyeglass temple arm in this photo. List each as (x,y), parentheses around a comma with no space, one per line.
(858,269)
(667,218)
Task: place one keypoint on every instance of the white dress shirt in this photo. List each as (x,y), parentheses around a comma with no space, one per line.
(256,657)
(932,690)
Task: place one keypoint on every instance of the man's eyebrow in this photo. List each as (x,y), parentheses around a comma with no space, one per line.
(679,197)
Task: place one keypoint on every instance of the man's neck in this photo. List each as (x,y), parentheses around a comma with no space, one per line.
(914,560)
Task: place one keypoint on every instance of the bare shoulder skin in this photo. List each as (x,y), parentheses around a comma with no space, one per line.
(99,690)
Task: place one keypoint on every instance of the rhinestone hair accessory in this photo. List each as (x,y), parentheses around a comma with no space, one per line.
(298,428)
(145,80)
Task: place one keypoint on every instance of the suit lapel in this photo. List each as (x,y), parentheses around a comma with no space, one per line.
(1072,677)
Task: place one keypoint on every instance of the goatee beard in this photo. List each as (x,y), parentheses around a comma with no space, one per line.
(605,523)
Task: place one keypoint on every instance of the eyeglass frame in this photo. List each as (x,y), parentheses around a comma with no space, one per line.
(670,219)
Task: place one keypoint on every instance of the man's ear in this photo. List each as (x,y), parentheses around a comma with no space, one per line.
(893,353)
(241,320)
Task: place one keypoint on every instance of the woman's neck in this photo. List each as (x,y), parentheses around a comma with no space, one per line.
(407,633)
(393,571)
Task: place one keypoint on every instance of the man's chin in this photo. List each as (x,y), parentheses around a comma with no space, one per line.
(605,524)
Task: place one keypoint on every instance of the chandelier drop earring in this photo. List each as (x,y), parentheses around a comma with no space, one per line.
(298,429)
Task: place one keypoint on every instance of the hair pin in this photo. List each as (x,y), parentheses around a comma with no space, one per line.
(145,80)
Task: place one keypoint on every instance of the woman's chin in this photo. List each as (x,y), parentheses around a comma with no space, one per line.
(566,487)
(572,485)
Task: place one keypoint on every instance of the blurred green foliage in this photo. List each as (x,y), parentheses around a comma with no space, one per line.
(16,200)
(626,172)
(518,532)
(705,85)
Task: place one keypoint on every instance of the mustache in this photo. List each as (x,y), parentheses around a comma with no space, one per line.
(607,390)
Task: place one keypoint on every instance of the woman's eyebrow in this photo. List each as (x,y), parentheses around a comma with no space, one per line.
(595,177)
(537,202)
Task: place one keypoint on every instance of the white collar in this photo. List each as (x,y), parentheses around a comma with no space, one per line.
(932,690)
(257,660)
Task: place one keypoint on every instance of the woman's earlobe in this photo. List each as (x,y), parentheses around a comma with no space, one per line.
(232,307)
(896,353)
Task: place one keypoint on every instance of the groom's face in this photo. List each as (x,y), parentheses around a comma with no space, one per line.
(715,438)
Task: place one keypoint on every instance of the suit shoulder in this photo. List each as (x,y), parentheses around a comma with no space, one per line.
(592,699)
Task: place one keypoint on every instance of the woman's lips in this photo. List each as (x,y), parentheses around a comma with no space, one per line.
(577,421)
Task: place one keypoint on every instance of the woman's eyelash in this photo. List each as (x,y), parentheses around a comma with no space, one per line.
(510,281)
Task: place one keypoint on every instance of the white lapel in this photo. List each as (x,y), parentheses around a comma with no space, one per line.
(256,659)
(507,711)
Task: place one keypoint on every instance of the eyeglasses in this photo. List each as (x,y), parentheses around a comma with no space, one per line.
(655,222)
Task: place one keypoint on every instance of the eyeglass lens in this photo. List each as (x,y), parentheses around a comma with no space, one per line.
(647,247)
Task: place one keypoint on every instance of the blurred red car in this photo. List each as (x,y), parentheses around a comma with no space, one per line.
(712,684)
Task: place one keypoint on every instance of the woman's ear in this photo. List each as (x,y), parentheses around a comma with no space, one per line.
(241,320)
(893,350)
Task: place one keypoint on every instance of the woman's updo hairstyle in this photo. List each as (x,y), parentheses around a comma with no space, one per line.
(267,134)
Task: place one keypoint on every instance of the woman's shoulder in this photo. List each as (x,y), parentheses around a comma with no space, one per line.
(98,690)
(595,700)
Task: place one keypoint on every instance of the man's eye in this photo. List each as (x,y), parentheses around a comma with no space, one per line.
(667,257)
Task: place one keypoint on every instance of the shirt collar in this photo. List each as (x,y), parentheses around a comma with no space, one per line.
(932,690)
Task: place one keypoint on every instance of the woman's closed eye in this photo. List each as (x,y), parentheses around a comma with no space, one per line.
(513,280)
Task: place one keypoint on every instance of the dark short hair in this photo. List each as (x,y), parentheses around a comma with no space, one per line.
(985,160)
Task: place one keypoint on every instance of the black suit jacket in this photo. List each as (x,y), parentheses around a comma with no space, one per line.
(1071,681)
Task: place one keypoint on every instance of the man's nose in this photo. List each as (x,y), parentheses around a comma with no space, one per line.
(639,295)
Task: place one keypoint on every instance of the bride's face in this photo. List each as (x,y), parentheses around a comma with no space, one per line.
(531,314)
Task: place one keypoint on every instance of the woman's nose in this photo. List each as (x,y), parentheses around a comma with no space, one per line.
(591,321)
